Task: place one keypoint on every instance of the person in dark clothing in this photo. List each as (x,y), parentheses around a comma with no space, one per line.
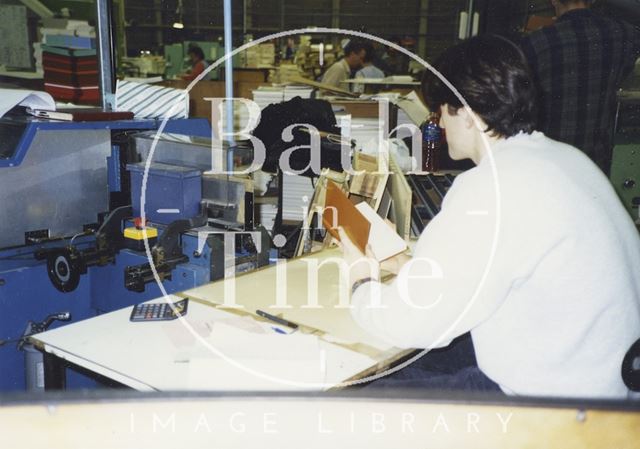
(578,64)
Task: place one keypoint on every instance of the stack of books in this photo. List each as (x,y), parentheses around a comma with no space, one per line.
(262,55)
(285,72)
(76,34)
(71,75)
(69,61)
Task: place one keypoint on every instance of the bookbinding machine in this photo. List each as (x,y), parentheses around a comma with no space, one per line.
(72,240)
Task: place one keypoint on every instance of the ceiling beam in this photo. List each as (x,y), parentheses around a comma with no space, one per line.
(37,7)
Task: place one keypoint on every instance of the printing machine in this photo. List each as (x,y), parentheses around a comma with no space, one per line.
(71,237)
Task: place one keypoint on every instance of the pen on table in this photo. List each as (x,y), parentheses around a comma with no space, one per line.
(276,319)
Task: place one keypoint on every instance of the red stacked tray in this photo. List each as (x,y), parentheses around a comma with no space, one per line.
(71,75)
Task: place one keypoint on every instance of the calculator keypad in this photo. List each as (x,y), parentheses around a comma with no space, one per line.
(158,311)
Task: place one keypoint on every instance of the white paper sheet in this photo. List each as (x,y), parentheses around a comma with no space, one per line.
(167,102)
(283,363)
(384,241)
(413,107)
(10,98)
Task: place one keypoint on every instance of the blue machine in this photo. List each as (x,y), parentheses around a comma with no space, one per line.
(66,195)
(173,192)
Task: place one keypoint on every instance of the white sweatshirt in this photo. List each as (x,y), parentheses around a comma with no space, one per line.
(538,259)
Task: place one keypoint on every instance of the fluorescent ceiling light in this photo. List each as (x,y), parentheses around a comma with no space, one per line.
(178,25)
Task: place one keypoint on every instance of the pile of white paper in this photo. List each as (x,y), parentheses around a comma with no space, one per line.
(267,215)
(364,130)
(264,96)
(297,193)
(297,91)
(10,98)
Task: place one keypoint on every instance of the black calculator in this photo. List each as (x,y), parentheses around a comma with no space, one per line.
(160,311)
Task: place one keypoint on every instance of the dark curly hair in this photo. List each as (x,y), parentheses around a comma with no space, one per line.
(492,75)
(355,46)
(197,51)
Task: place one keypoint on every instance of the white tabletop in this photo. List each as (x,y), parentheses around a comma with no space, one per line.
(208,349)
(217,349)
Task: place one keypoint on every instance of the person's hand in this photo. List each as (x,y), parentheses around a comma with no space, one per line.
(361,265)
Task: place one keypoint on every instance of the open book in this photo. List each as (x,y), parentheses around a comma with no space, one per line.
(81,114)
(10,98)
(361,224)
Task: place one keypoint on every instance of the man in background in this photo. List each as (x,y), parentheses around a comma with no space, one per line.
(368,70)
(354,55)
(578,64)
(289,51)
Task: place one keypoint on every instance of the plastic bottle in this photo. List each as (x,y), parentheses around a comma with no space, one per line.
(431,142)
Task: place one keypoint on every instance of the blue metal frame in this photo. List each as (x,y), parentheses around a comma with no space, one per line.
(26,293)
(195,127)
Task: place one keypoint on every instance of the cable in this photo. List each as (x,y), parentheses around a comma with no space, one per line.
(15,340)
(74,237)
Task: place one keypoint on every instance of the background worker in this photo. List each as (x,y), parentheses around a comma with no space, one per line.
(578,65)
(198,63)
(354,55)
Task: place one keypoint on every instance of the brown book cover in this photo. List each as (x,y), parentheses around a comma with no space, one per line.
(340,212)
(71,79)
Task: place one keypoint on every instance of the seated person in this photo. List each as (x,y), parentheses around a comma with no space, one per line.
(368,70)
(289,50)
(354,54)
(532,252)
(198,64)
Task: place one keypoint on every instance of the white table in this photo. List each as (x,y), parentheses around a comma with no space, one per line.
(217,349)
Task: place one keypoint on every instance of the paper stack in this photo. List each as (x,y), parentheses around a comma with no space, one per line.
(398,79)
(72,34)
(264,96)
(267,215)
(262,55)
(10,98)
(285,73)
(411,109)
(364,131)
(297,193)
(293,91)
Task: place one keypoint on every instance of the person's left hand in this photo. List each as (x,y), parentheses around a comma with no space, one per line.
(361,265)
